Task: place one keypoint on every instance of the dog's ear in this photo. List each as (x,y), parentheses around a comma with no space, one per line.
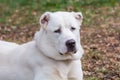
(44,19)
(78,16)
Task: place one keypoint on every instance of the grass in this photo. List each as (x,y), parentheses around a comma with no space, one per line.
(8,7)
(100,30)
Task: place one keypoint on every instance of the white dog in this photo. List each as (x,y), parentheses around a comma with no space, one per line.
(6,47)
(54,54)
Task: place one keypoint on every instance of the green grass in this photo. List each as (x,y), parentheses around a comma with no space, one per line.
(8,7)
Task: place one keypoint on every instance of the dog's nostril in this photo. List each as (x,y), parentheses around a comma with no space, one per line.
(70,43)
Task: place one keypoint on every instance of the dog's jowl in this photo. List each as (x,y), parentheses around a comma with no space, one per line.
(54,54)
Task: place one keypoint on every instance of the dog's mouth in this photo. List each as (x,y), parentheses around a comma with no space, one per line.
(68,53)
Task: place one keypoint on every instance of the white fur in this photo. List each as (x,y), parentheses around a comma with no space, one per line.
(40,59)
(6,47)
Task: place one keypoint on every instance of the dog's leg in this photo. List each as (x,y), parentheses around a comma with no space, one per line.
(76,71)
(39,76)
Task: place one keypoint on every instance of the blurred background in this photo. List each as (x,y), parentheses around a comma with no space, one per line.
(100,32)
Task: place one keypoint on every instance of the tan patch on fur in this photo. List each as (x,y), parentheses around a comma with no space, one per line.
(71,79)
(57,73)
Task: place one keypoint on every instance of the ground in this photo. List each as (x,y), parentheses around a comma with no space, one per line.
(100,35)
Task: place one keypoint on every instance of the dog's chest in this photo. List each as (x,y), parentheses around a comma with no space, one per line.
(57,71)
(60,75)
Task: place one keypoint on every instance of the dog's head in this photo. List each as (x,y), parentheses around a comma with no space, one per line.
(59,36)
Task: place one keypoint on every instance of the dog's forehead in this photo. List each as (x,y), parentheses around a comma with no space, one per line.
(62,15)
(63,19)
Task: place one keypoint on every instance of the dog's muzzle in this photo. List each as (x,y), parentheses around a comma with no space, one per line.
(71,46)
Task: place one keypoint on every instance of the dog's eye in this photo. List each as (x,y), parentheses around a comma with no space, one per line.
(72,28)
(58,31)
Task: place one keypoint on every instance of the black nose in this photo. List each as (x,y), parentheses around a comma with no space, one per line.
(71,45)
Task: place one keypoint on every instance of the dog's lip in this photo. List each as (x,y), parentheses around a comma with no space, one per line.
(71,53)
(60,53)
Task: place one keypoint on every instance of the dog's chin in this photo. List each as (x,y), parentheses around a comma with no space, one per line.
(68,53)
